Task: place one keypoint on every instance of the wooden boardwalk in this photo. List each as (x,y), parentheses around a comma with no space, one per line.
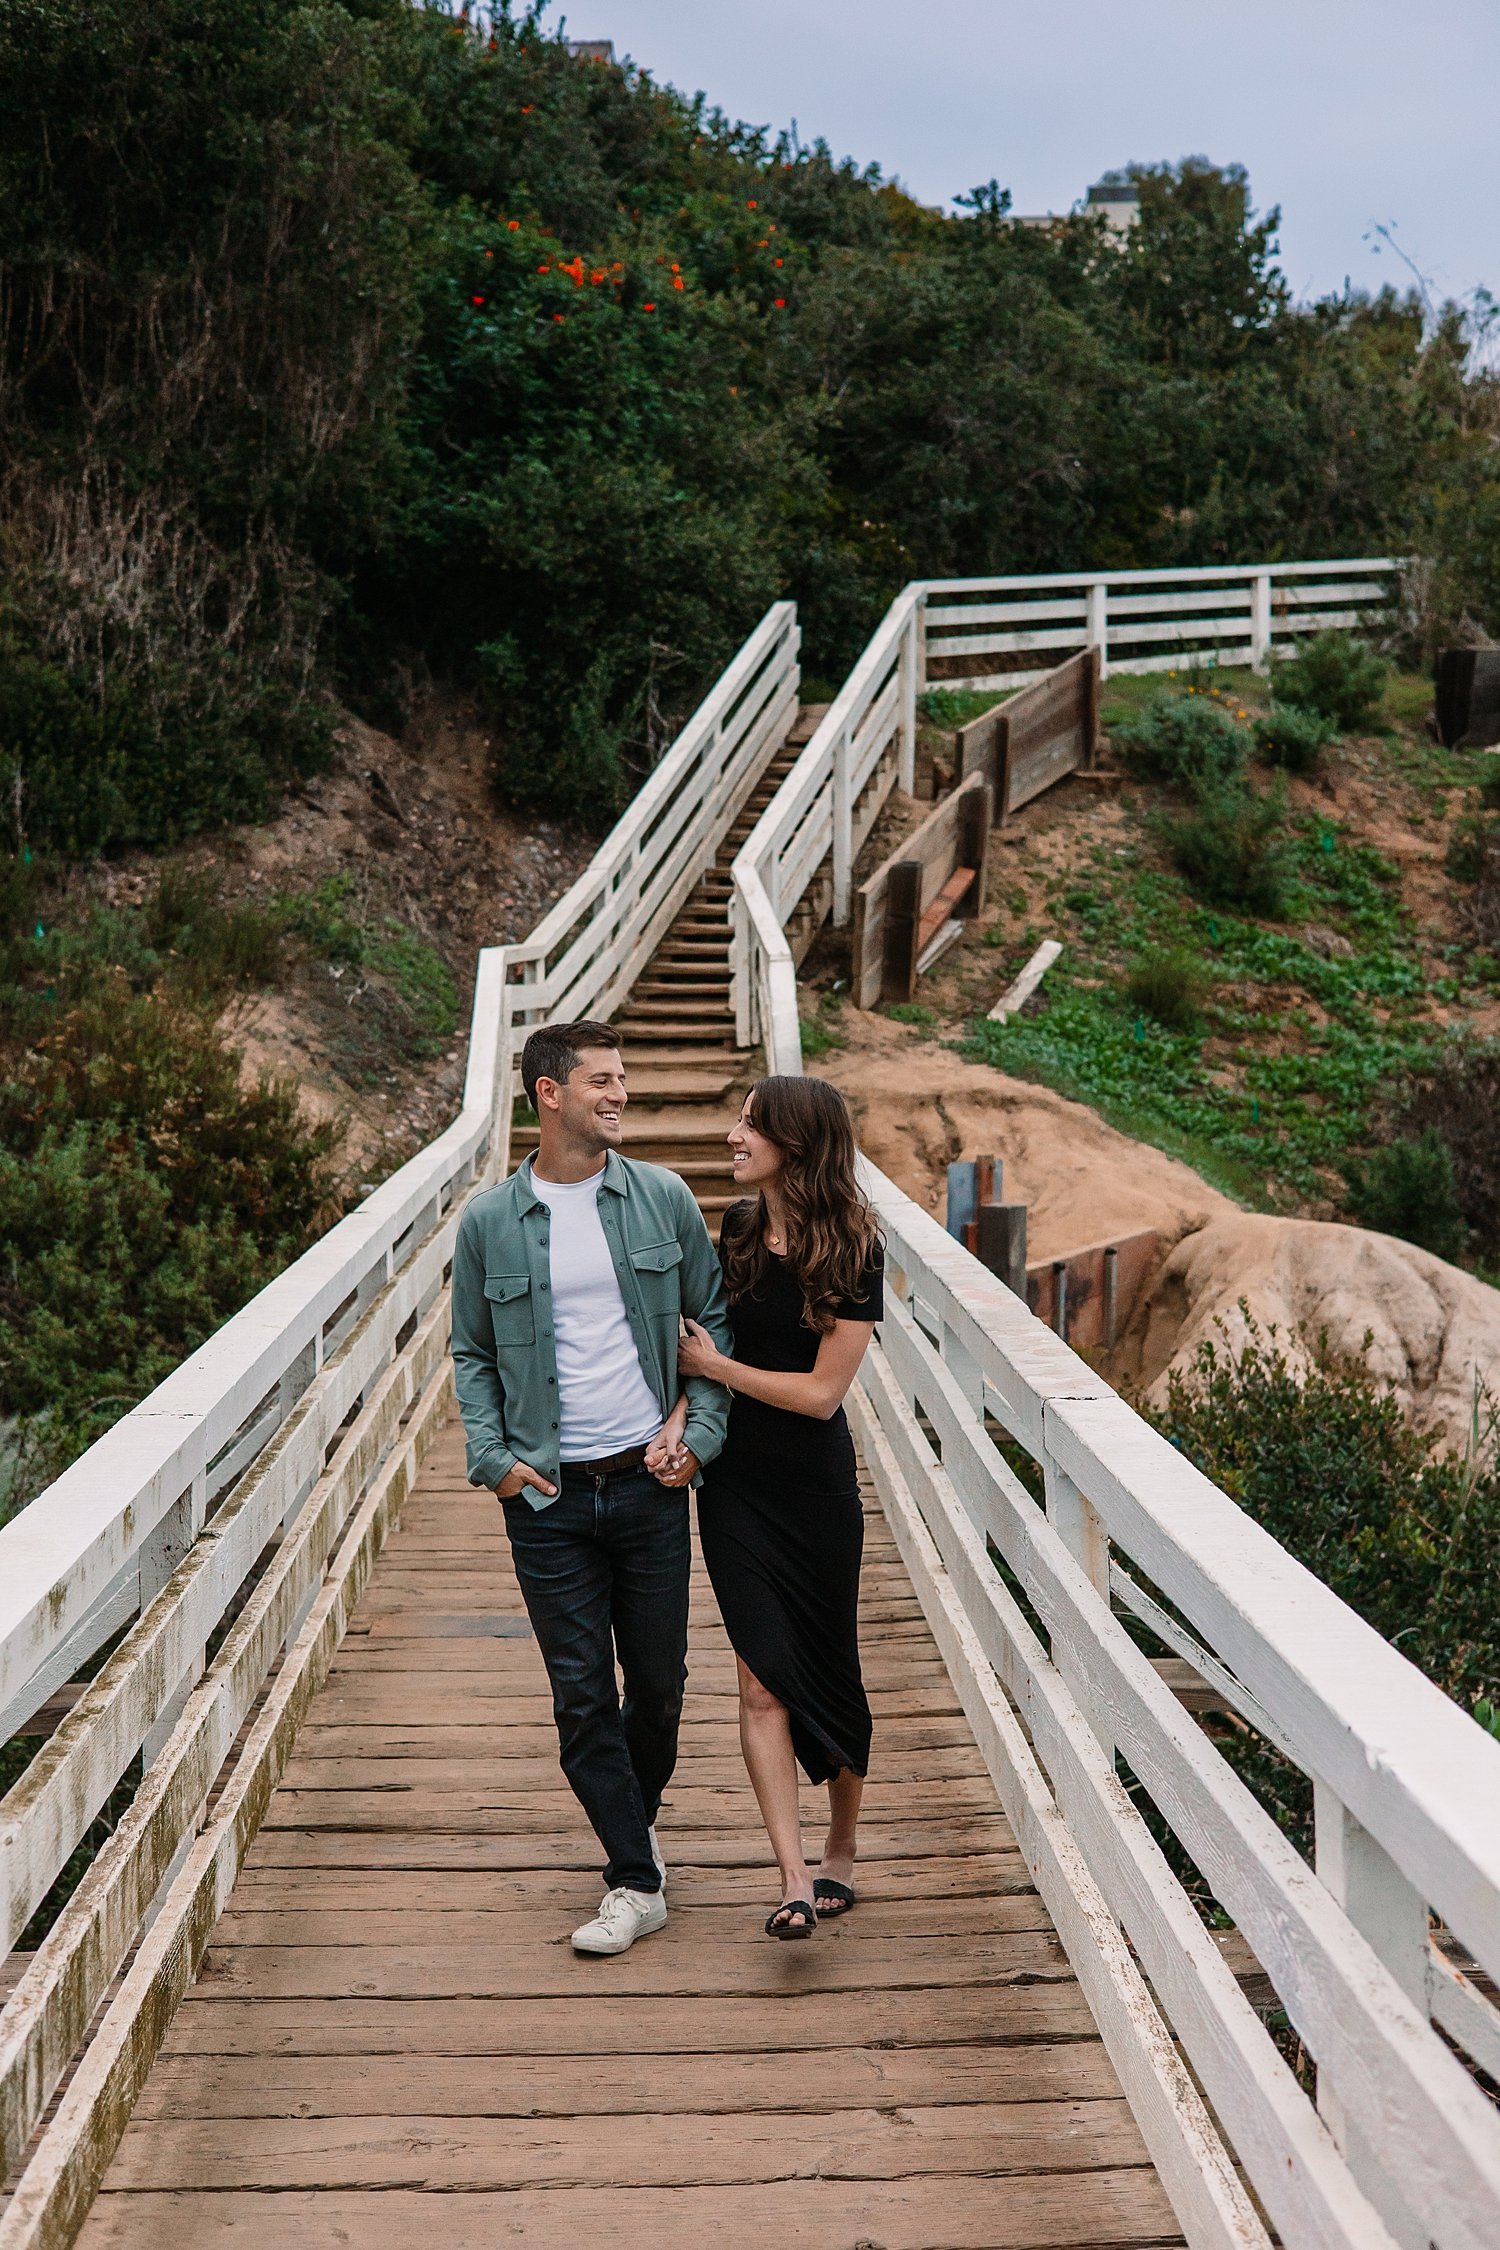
(393,2043)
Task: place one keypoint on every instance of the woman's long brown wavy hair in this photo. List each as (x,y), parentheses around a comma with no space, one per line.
(830,1228)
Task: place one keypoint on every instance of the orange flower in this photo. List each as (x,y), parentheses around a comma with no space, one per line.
(513,224)
(559,316)
(476,300)
(780,301)
(678,282)
(648,308)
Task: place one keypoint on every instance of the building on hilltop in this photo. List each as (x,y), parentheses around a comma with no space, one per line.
(592,50)
(1117,202)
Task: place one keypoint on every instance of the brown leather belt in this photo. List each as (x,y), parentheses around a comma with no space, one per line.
(612,1464)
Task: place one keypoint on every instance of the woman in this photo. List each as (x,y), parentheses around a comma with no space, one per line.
(779,1511)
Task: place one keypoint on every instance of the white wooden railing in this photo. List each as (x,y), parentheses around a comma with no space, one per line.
(1399,2144)
(801,853)
(248,1497)
(1142,620)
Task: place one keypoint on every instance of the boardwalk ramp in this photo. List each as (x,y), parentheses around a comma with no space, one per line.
(314,1983)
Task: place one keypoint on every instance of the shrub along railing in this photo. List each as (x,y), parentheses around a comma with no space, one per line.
(1364,1949)
(228,1523)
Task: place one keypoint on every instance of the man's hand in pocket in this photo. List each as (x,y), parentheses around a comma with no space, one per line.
(516,1480)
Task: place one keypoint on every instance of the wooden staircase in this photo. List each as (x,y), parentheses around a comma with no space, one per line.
(687,1078)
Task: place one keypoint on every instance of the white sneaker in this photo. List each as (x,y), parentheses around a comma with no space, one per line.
(623,1916)
(661,1865)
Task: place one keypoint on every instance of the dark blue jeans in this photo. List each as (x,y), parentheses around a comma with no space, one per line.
(604,1572)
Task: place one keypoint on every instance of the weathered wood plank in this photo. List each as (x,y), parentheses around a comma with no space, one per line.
(730,2147)
(1061,2211)
(981,1875)
(698,1932)
(208,2024)
(490,2086)
(576,1846)
(549,1969)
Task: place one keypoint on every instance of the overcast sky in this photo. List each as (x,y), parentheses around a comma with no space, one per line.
(1348,113)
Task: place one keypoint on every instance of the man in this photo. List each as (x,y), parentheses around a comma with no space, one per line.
(568,1284)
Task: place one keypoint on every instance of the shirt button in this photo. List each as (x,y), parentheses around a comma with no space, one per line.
(546,1285)
(554,1425)
(552,1378)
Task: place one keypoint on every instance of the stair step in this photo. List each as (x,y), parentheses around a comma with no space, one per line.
(686,1054)
(681,992)
(693,1086)
(694,1127)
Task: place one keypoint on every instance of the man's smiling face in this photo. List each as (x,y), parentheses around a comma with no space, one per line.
(591,1105)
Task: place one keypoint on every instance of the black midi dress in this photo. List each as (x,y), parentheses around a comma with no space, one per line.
(782,1529)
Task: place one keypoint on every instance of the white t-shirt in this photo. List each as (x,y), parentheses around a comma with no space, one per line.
(606,1403)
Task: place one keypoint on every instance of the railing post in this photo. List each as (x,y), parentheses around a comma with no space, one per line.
(741,979)
(1390,1915)
(1260,621)
(913,681)
(1098,627)
(1081,1529)
(843,826)
(161,1551)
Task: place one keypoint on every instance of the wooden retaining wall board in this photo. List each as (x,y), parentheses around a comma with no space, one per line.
(391,2041)
(893,909)
(1036,738)
(1093,1321)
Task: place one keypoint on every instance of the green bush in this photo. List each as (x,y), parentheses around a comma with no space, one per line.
(1409,1188)
(1234,850)
(145,1193)
(1473,845)
(1489,784)
(1184,736)
(1335,675)
(1291,736)
(239,944)
(1460,1101)
(1333,1469)
(1168,985)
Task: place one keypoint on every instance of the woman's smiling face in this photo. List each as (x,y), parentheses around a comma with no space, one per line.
(757,1161)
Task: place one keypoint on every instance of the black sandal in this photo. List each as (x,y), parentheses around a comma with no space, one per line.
(832,1898)
(777,1928)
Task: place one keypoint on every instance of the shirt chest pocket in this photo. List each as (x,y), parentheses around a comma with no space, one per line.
(656,1277)
(511,1311)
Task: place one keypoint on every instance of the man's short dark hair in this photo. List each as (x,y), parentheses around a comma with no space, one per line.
(554,1051)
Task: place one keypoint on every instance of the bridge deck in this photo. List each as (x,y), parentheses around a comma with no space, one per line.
(392,2041)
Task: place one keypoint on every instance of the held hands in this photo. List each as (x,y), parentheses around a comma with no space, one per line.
(698,1354)
(670,1461)
(516,1480)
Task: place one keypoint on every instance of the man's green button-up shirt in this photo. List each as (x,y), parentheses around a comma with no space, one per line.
(504,1350)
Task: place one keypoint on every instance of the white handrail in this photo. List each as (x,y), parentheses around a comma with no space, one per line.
(1231,614)
(1400,2145)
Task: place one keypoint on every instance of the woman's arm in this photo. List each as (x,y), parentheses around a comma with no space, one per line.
(819,1394)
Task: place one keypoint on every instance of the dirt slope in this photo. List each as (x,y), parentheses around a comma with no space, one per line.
(919,1106)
